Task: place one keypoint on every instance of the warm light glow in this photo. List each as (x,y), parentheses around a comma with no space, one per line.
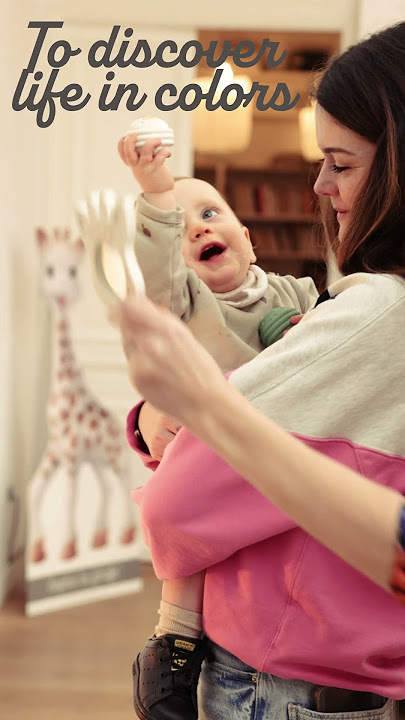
(223,131)
(309,146)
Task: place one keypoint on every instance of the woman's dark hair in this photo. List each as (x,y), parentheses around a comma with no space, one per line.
(364,89)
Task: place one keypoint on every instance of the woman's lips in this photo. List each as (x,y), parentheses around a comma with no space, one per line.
(341,214)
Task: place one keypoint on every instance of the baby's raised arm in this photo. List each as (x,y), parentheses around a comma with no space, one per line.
(149,169)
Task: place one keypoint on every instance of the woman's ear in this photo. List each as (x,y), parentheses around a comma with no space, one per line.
(253,257)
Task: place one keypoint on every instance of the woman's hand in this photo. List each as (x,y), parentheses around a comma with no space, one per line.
(166,363)
(157,430)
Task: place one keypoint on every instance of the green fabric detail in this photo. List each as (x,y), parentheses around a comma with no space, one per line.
(274,323)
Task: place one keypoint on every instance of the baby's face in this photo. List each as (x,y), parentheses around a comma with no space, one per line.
(215,244)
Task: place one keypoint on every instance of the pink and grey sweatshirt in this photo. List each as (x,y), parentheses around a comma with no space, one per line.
(274,596)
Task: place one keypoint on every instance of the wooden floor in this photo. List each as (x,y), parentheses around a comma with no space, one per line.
(74,663)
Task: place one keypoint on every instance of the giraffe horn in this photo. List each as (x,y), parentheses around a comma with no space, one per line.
(41,236)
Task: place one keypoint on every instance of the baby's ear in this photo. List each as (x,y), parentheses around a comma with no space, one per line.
(253,257)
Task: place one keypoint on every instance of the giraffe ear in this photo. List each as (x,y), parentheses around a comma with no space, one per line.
(80,246)
(41,236)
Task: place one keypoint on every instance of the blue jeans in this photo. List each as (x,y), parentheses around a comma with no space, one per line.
(230,690)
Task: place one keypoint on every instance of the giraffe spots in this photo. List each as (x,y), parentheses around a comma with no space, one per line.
(62,326)
(64,342)
(110,450)
(74,441)
(89,408)
(112,431)
(64,414)
(103,413)
(79,417)
(146,231)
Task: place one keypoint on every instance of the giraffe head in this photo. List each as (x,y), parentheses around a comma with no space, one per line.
(60,260)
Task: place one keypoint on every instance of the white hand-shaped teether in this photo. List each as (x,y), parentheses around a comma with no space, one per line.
(107,220)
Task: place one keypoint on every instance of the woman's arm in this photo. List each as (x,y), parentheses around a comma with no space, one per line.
(354,517)
(351,515)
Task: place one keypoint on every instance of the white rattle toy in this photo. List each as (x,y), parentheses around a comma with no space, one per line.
(152,128)
(105,220)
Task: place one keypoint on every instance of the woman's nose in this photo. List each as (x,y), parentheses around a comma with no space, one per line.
(324,184)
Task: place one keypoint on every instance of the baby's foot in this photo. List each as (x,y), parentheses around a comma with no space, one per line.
(165,676)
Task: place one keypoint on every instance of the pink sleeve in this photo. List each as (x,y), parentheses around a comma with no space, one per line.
(196,510)
(133,440)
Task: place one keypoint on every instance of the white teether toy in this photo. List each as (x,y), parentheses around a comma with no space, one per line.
(105,219)
(152,128)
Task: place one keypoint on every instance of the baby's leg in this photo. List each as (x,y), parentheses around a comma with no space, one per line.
(166,671)
(181,606)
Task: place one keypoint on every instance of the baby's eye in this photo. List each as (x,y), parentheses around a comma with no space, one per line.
(208,213)
(338,168)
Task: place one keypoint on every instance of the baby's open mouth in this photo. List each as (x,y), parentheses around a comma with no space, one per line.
(210,251)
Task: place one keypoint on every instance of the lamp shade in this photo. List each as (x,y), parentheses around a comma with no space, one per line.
(308,142)
(223,131)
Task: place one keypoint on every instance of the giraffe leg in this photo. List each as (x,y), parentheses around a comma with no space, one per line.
(36,491)
(100,536)
(69,544)
(121,470)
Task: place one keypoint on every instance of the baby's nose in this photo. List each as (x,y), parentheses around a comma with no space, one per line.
(198,230)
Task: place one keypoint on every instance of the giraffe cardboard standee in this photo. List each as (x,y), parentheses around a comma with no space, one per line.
(81,431)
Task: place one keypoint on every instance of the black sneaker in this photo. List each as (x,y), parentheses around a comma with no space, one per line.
(165,675)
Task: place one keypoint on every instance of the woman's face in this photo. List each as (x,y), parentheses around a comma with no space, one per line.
(347,161)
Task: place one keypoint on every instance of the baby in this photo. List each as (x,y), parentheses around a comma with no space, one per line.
(197,260)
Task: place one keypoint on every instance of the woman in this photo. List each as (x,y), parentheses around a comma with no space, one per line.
(282,614)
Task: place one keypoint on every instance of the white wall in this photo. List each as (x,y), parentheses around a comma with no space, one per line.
(375,15)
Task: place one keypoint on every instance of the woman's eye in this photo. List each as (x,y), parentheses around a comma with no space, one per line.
(209,213)
(338,168)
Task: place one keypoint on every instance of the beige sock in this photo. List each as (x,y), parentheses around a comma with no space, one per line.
(177,621)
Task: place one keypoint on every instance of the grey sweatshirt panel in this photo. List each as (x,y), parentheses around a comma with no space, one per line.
(340,373)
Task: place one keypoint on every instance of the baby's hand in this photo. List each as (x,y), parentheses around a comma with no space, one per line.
(148,169)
